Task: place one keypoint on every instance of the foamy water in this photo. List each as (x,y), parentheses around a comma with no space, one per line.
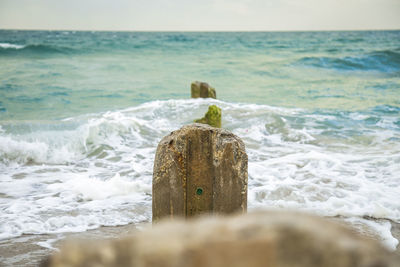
(96,170)
(81,114)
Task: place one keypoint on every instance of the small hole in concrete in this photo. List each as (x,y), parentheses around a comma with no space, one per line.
(199,191)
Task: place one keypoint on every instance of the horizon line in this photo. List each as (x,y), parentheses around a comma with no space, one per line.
(204,31)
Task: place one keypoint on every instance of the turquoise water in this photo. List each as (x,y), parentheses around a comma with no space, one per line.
(52,74)
(81,114)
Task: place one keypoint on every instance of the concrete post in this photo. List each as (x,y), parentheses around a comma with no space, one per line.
(201,89)
(199,169)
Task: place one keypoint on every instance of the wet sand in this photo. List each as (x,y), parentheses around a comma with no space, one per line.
(24,250)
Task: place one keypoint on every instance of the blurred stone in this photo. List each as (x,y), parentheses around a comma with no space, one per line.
(201,89)
(199,169)
(212,117)
(273,239)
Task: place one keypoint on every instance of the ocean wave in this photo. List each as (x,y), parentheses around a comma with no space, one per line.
(349,40)
(386,109)
(33,49)
(95,138)
(101,135)
(382,61)
(11,46)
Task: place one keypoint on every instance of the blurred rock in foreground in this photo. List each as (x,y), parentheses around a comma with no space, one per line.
(273,239)
(202,89)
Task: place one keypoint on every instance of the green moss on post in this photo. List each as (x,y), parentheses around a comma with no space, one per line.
(212,117)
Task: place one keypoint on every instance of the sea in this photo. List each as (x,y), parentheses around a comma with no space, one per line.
(82,112)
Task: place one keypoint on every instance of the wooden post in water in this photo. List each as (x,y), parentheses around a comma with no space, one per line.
(199,169)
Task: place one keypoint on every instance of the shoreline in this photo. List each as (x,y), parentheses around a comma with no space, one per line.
(396,234)
(25,250)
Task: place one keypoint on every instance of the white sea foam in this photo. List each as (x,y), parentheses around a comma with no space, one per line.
(11,46)
(99,170)
(49,243)
(21,151)
(96,189)
(380,228)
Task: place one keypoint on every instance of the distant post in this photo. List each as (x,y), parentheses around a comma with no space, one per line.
(202,89)
(199,169)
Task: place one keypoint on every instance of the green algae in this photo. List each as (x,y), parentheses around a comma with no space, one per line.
(212,117)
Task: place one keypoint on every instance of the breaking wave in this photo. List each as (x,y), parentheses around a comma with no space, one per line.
(382,61)
(33,49)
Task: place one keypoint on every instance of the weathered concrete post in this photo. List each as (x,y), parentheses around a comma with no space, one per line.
(199,169)
(202,89)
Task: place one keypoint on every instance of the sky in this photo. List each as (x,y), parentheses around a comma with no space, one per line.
(200,15)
